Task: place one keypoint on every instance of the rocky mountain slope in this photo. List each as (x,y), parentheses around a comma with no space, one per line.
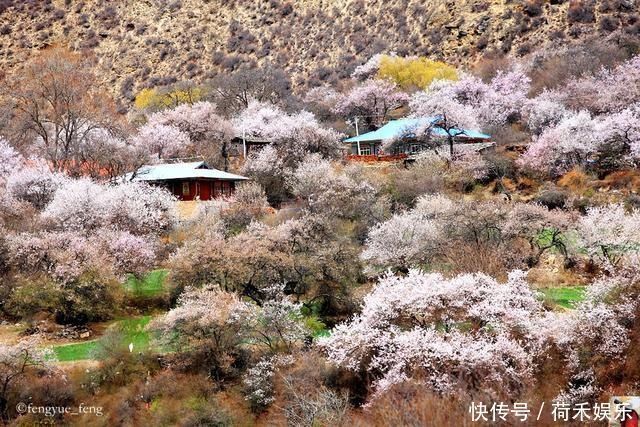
(141,43)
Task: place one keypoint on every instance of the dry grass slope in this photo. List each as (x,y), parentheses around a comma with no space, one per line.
(154,42)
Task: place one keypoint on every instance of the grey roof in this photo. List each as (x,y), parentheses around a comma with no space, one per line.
(191,170)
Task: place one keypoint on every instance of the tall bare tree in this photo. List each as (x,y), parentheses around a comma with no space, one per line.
(56,103)
(233,92)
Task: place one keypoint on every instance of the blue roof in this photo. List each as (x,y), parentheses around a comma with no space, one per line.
(400,127)
(192,170)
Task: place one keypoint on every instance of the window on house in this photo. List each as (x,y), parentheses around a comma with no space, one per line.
(185,188)
(227,188)
(415,148)
(365,151)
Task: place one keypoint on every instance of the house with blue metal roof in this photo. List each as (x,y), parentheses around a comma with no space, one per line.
(188,181)
(404,130)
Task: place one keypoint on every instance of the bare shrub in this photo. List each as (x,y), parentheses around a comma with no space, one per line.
(581,11)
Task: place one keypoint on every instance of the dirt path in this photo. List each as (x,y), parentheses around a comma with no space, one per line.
(9,334)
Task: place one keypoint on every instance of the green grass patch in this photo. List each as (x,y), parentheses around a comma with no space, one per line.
(133,331)
(130,330)
(151,285)
(566,297)
(79,351)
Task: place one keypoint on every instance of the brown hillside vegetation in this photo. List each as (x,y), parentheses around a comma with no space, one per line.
(158,42)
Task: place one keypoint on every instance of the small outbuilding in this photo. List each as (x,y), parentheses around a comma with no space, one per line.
(189,181)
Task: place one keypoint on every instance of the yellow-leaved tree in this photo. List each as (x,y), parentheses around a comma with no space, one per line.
(158,99)
(414,73)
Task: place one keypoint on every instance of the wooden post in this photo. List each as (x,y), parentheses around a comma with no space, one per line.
(357,134)
(244,145)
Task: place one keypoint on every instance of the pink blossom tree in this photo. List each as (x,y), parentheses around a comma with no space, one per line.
(64,256)
(209,132)
(596,336)
(323,96)
(137,207)
(609,141)
(622,136)
(571,142)
(369,68)
(74,205)
(503,101)
(449,114)
(609,91)
(105,155)
(67,255)
(407,239)
(217,323)
(294,135)
(470,103)
(530,221)
(371,101)
(130,254)
(267,167)
(438,224)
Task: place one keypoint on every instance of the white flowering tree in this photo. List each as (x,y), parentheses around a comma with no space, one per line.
(330,192)
(472,104)
(67,255)
(449,114)
(219,327)
(611,235)
(107,155)
(405,240)
(604,142)
(571,142)
(595,338)
(291,137)
(10,160)
(84,204)
(544,111)
(36,185)
(207,323)
(162,141)
(542,228)
(438,224)
(465,334)
(369,68)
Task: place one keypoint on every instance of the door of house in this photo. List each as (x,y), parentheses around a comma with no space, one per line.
(205,190)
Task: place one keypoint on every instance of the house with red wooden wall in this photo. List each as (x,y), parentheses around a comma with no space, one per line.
(190,180)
